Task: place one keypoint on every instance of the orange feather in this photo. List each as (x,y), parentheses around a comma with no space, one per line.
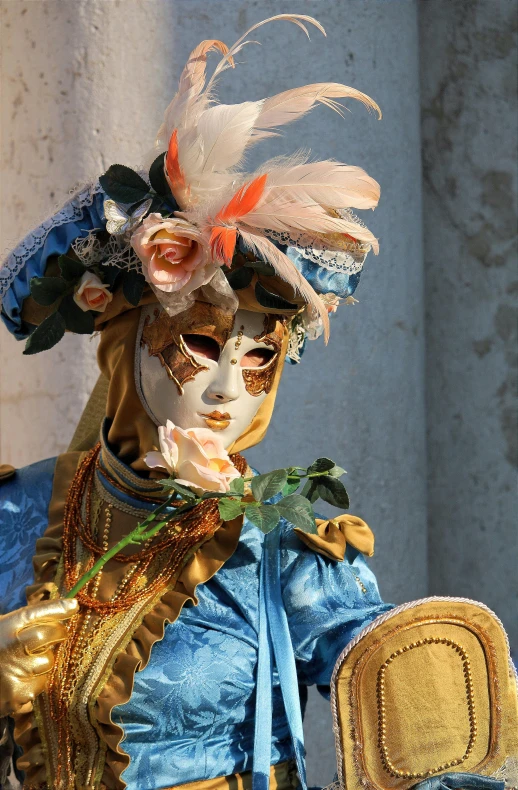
(223,243)
(173,171)
(224,234)
(244,201)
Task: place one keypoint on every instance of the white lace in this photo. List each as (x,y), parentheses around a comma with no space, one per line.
(34,241)
(344,261)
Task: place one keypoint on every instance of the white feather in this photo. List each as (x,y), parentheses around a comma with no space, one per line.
(282,214)
(225,130)
(288,272)
(189,101)
(329,183)
(293,104)
(296,19)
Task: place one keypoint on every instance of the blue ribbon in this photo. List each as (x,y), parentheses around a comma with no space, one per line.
(263,704)
(274,631)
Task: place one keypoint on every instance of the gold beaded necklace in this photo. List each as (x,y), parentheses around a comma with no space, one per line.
(150,570)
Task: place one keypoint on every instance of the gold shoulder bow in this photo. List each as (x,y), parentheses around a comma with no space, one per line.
(332,537)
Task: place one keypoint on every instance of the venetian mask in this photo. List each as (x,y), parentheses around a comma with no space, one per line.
(207,368)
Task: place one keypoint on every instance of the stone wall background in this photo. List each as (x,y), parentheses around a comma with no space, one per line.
(416,393)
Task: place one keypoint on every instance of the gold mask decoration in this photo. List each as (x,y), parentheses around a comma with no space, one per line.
(258,380)
(164,340)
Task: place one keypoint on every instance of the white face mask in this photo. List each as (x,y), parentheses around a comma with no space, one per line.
(205,368)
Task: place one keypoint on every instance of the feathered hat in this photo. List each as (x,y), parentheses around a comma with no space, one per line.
(196,226)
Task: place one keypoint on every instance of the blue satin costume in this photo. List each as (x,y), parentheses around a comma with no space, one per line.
(191,714)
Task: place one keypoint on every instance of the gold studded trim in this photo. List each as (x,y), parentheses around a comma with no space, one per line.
(476,618)
(355,723)
(382,718)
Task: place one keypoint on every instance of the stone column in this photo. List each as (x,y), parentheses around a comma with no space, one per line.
(361,399)
(468,79)
(84,84)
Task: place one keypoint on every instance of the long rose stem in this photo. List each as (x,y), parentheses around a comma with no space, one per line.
(140,534)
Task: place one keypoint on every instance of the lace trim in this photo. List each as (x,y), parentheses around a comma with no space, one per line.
(347,259)
(342,261)
(117,251)
(34,241)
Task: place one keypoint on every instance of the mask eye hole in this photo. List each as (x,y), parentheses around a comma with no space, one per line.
(257,358)
(202,346)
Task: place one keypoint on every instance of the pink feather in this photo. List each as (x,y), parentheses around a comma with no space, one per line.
(290,105)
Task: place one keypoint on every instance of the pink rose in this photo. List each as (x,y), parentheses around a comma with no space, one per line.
(174,254)
(92,294)
(195,458)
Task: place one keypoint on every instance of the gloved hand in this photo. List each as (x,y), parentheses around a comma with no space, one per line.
(27,638)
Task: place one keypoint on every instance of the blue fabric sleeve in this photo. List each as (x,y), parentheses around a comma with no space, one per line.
(24,504)
(73,220)
(327,604)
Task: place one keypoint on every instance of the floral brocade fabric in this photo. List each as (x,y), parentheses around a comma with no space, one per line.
(191,714)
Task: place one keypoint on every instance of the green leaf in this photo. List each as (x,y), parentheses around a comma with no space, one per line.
(333,491)
(240,278)
(133,284)
(157,177)
(261,267)
(76,320)
(157,204)
(337,471)
(46,335)
(266,486)
(321,465)
(45,290)
(123,185)
(237,486)
(229,508)
(110,274)
(297,510)
(292,485)
(269,300)
(71,270)
(265,517)
(310,491)
(184,492)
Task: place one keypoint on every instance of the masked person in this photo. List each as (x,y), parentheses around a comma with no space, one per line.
(184,661)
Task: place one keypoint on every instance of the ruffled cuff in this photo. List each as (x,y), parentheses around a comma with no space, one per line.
(333,537)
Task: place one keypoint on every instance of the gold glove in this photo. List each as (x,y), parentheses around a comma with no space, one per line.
(27,637)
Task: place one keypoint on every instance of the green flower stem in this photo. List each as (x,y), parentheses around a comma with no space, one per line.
(140,534)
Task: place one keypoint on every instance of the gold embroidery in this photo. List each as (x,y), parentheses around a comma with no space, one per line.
(382,716)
